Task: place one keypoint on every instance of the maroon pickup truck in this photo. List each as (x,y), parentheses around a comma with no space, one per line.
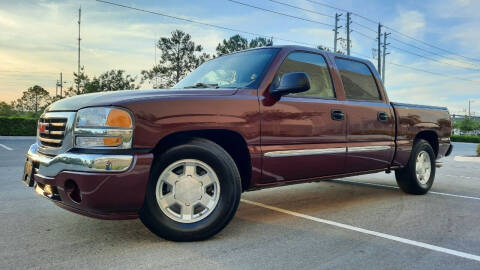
(180,158)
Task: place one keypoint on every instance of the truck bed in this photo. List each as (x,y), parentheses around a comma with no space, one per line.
(420,121)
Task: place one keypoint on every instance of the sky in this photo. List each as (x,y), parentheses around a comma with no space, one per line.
(39,40)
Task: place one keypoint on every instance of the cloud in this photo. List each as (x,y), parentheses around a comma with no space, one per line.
(40,42)
(410,22)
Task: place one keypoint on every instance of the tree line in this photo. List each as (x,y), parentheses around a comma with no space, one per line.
(179,55)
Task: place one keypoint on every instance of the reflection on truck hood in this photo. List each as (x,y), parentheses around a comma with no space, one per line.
(119,97)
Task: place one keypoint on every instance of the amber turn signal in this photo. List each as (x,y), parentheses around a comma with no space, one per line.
(119,118)
(112,141)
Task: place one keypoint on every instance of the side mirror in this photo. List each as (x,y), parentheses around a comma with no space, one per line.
(294,82)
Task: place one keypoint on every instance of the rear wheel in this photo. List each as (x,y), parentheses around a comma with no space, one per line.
(193,192)
(418,175)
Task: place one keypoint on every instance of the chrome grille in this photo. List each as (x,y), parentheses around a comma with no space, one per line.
(51,131)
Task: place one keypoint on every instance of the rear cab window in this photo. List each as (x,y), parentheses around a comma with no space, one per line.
(358,80)
(315,67)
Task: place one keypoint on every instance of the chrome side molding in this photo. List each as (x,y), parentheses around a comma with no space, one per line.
(306,152)
(368,148)
(323,151)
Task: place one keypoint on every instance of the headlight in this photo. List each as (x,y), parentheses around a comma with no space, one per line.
(103,127)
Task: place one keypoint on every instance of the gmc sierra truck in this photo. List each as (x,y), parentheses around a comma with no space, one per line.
(180,158)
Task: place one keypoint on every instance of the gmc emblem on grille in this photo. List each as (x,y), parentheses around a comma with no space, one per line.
(43,127)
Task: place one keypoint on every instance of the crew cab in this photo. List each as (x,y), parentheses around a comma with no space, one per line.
(180,158)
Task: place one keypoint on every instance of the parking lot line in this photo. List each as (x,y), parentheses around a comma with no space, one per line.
(6,147)
(394,187)
(369,232)
(461,176)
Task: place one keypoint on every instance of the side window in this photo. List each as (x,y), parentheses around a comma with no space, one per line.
(358,80)
(316,68)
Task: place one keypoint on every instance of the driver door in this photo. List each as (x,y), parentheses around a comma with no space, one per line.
(303,134)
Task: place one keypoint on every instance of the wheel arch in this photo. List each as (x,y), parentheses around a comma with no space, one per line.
(431,137)
(231,141)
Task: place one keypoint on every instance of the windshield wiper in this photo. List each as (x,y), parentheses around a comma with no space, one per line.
(203,85)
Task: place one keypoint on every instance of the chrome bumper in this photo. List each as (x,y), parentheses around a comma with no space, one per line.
(51,166)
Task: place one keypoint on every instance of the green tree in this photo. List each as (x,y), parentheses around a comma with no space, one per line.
(6,109)
(467,124)
(238,43)
(80,79)
(112,80)
(34,99)
(323,48)
(179,56)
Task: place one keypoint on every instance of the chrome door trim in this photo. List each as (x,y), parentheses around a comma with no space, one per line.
(323,151)
(306,152)
(368,148)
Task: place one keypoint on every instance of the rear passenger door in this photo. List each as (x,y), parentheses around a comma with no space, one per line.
(370,121)
(300,139)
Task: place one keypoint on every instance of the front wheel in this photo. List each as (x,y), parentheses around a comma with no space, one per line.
(193,192)
(418,175)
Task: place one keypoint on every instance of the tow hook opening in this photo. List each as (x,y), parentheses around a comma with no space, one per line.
(72,190)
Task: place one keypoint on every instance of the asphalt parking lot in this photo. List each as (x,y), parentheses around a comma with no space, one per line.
(361,222)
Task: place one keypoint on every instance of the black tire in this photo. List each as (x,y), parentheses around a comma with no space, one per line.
(230,191)
(407,177)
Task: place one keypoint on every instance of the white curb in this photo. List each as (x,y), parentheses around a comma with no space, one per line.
(467,159)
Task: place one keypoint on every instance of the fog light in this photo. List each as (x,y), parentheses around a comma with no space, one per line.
(47,190)
(87,142)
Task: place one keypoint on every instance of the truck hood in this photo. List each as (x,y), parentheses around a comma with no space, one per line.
(112,98)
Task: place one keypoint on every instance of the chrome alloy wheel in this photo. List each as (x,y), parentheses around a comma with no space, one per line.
(423,167)
(187,190)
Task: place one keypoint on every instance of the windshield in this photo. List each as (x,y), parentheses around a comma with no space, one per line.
(238,70)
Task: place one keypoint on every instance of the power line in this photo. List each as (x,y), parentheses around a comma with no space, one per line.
(341,9)
(365,27)
(267,36)
(427,51)
(430,58)
(433,46)
(365,35)
(304,9)
(205,24)
(393,30)
(431,72)
(421,70)
(280,13)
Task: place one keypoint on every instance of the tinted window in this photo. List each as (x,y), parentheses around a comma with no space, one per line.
(357,80)
(236,70)
(316,68)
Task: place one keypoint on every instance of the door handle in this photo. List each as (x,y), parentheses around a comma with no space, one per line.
(382,116)
(338,115)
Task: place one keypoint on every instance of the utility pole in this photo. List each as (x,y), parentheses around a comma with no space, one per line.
(335,38)
(78,68)
(349,21)
(385,35)
(469,104)
(59,84)
(156,76)
(379,64)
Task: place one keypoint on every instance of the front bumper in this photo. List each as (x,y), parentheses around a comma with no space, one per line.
(51,166)
(96,185)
